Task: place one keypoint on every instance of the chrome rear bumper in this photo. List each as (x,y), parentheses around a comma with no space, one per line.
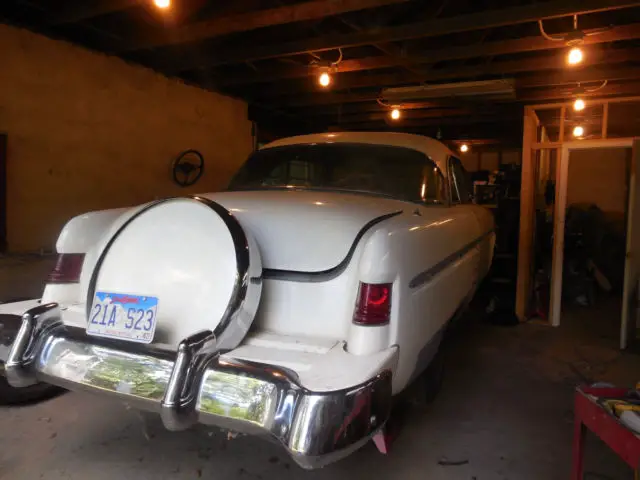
(193,385)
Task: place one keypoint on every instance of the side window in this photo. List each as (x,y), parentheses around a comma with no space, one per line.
(433,189)
(459,181)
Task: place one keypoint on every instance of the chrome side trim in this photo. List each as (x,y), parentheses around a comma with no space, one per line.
(331,273)
(428,275)
(195,385)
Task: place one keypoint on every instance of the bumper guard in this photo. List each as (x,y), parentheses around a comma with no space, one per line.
(194,385)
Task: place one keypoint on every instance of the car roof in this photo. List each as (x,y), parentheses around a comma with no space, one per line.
(435,150)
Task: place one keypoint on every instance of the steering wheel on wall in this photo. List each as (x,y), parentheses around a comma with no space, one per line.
(188,168)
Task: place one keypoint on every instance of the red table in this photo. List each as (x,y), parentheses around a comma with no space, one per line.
(590,415)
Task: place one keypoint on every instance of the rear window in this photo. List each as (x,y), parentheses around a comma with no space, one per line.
(396,172)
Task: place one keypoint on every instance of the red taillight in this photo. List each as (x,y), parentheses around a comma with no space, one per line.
(67,269)
(373,306)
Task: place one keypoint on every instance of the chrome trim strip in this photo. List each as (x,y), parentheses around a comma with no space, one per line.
(241,245)
(193,385)
(331,273)
(429,274)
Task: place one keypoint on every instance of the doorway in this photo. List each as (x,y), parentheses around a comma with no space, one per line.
(594,279)
(594,243)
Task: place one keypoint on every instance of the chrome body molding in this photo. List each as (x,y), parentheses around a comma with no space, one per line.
(194,385)
(429,274)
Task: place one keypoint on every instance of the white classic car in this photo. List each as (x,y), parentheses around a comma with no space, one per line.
(295,305)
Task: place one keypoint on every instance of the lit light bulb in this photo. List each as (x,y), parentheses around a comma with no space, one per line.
(578,105)
(575,56)
(324,79)
(162,3)
(578,131)
(464,148)
(395,114)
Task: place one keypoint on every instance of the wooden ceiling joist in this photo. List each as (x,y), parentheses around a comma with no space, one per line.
(585,77)
(523,95)
(430,28)
(434,113)
(488,49)
(91,9)
(563,93)
(545,64)
(225,25)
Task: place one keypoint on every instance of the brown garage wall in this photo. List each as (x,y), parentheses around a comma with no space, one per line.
(87,132)
(599,176)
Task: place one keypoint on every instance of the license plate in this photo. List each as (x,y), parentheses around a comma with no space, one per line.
(124,316)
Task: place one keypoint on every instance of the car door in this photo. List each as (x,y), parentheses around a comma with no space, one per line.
(461,198)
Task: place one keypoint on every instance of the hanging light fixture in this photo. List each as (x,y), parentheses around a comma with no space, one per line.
(395,114)
(324,79)
(578,105)
(575,56)
(578,131)
(325,69)
(464,148)
(573,39)
(162,3)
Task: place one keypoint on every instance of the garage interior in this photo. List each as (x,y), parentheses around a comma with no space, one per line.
(110,103)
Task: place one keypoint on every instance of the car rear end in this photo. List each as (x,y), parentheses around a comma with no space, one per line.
(264,312)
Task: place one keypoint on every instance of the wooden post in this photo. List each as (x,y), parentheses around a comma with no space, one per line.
(527,215)
(3,193)
(605,119)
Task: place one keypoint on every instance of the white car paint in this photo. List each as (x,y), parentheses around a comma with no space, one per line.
(301,231)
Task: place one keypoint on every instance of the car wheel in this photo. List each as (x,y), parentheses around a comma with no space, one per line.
(15,396)
(433,376)
(428,384)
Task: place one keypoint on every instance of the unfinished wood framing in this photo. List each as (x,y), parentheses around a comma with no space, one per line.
(531,145)
(527,214)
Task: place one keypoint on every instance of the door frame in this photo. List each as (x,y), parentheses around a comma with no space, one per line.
(562,174)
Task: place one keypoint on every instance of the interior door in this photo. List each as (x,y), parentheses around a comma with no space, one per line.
(632,261)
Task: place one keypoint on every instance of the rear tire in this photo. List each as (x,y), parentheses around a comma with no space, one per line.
(432,378)
(427,385)
(16,396)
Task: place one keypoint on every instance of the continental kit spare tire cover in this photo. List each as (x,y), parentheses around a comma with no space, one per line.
(194,257)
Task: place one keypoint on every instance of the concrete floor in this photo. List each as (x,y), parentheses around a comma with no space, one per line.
(505,409)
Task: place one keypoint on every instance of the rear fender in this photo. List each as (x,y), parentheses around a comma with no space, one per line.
(84,234)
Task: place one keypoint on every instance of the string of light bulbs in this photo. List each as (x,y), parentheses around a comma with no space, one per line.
(575,56)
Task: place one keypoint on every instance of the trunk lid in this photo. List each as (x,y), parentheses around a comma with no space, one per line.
(305,230)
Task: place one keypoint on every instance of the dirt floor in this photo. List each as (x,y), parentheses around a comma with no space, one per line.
(505,412)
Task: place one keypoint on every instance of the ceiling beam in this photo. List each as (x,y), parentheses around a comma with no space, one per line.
(242,22)
(564,93)
(434,113)
(471,129)
(356,108)
(529,94)
(430,28)
(574,77)
(91,9)
(488,49)
(351,81)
